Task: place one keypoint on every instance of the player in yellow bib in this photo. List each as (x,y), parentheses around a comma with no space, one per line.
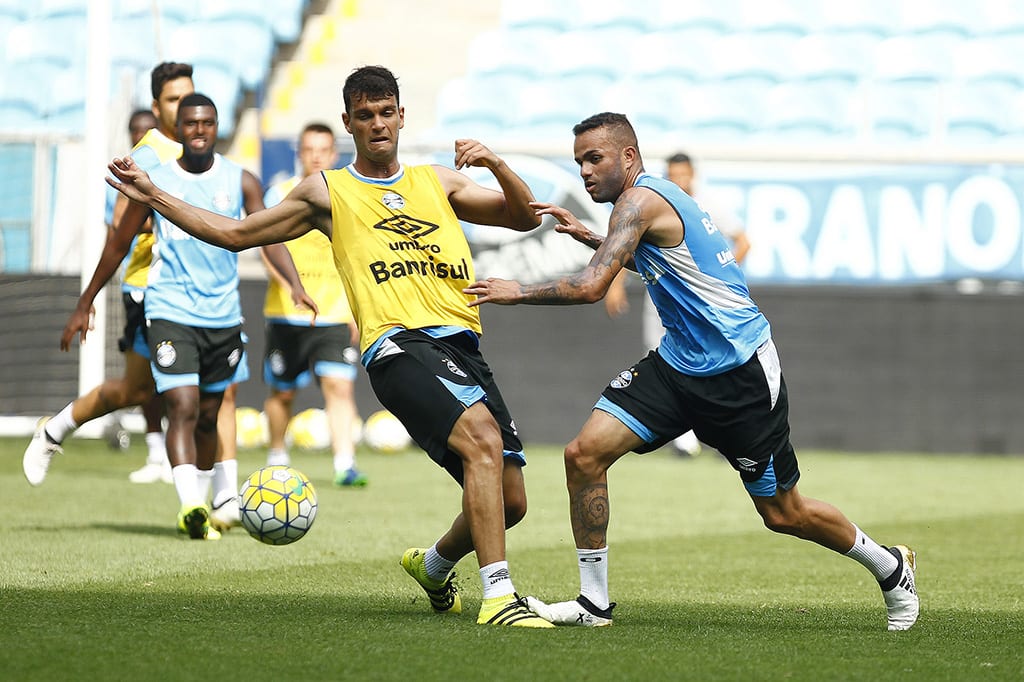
(402,256)
(296,349)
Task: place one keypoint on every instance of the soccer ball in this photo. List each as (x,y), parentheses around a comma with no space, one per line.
(384,433)
(309,430)
(278,505)
(251,428)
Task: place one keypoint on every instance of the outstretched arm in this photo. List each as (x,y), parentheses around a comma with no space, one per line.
(114,251)
(624,232)
(289,219)
(508,208)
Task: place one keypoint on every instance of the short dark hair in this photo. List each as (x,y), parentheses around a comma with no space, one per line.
(167,71)
(620,126)
(373,82)
(317,127)
(679,157)
(196,99)
(140,113)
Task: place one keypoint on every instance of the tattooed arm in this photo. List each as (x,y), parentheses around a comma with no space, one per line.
(625,228)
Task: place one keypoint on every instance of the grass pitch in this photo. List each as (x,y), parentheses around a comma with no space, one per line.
(95,584)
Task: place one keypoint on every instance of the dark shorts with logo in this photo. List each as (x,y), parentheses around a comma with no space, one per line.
(430,383)
(134,320)
(743,413)
(194,356)
(294,351)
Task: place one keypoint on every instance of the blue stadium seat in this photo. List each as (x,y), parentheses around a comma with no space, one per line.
(864,18)
(34,40)
(286,19)
(904,109)
(801,112)
(993,58)
(251,45)
(980,111)
(794,18)
(520,53)
(635,15)
(18,10)
(756,61)
(719,112)
(60,8)
(476,107)
(838,57)
(572,55)
(720,16)
(953,18)
(652,105)
(134,44)
(922,57)
(23,103)
(550,107)
(172,10)
(224,88)
(679,54)
(65,112)
(537,14)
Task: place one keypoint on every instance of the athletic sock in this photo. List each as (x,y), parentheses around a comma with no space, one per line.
(186,483)
(496,579)
(872,556)
(278,457)
(593,565)
(436,565)
(205,483)
(157,447)
(344,460)
(225,481)
(61,425)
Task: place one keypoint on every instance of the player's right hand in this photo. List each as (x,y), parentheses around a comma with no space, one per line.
(130,180)
(80,322)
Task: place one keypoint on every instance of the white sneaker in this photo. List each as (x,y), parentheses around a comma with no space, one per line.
(580,611)
(38,454)
(901,600)
(152,472)
(226,516)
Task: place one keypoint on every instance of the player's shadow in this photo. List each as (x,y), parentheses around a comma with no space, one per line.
(138,529)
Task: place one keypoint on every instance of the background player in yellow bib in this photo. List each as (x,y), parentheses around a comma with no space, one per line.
(404,261)
(297,348)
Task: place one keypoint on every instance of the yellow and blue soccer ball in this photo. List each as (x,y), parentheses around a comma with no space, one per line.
(309,430)
(251,428)
(278,505)
(382,432)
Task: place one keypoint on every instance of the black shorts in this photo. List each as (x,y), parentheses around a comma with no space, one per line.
(743,413)
(428,383)
(134,321)
(194,356)
(296,352)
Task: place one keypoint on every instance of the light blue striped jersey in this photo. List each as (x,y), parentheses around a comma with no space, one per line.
(700,293)
(191,282)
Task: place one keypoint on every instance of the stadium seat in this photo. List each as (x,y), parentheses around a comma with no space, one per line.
(135,42)
(537,14)
(952,18)
(475,106)
(65,112)
(652,105)
(681,54)
(800,112)
(286,18)
(827,56)
(754,61)
(34,40)
(60,8)
(593,55)
(864,17)
(550,107)
(224,88)
(794,18)
(636,15)
(19,10)
(992,58)
(251,46)
(719,16)
(23,103)
(980,111)
(719,112)
(173,10)
(924,58)
(904,109)
(519,53)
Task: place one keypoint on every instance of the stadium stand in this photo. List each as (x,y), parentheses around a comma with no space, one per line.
(143,32)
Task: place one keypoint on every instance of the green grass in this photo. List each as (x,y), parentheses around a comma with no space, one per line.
(96,584)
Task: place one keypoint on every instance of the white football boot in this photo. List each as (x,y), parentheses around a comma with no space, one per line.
(38,455)
(580,611)
(901,600)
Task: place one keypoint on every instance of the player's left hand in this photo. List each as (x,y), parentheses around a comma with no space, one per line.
(474,153)
(80,323)
(494,290)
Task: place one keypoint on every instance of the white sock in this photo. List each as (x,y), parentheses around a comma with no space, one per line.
(873,556)
(593,565)
(225,481)
(61,425)
(437,566)
(278,457)
(344,460)
(205,478)
(496,579)
(157,447)
(186,483)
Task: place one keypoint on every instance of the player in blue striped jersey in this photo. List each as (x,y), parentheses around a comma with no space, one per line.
(716,371)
